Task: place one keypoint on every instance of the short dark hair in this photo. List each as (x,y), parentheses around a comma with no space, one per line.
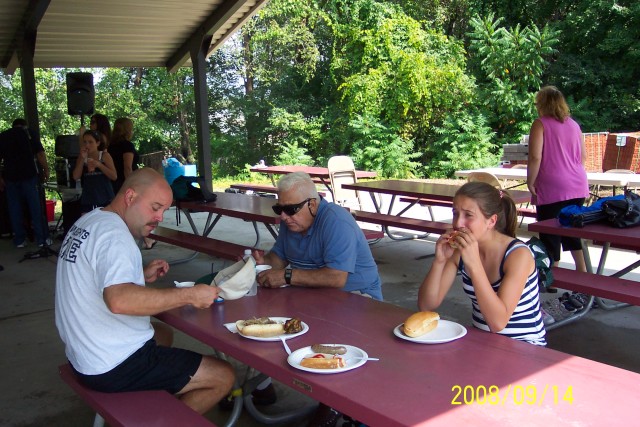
(20,122)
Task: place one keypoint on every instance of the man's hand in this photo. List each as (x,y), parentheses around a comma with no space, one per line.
(272,278)
(155,269)
(203,295)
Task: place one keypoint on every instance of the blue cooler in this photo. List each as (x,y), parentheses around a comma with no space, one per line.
(173,169)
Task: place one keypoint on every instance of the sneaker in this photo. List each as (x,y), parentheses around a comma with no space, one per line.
(325,416)
(547,319)
(22,245)
(564,300)
(266,396)
(579,300)
(556,309)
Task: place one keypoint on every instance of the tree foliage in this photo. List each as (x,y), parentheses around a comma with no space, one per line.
(407,88)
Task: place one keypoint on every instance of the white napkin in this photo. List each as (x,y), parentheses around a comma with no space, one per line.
(236,280)
(231,327)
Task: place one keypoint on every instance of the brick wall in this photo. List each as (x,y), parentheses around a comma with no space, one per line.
(602,152)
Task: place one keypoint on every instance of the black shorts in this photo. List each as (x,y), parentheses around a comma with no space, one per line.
(552,242)
(152,367)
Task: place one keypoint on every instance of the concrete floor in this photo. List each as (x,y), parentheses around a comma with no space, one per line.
(33,395)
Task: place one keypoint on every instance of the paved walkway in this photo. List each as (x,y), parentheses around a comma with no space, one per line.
(33,395)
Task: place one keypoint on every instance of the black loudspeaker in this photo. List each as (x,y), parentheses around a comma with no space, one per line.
(80,94)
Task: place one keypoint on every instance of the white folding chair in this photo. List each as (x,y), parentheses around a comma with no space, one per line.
(342,171)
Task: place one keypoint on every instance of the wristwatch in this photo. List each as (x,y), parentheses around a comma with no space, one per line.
(287,275)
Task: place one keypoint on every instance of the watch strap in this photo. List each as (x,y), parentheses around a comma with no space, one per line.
(287,275)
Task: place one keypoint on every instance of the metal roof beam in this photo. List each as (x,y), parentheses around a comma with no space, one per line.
(208,27)
(28,26)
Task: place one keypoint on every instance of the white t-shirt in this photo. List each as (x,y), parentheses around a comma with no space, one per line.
(98,251)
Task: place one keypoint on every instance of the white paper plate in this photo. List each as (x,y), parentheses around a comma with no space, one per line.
(352,352)
(445,331)
(304,330)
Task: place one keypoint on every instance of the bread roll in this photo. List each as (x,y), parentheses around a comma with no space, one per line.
(323,362)
(420,323)
(452,239)
(260,330)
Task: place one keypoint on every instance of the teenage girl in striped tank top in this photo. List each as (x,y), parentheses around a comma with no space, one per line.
(498,270)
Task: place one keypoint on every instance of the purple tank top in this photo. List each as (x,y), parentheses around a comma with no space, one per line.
(562,176)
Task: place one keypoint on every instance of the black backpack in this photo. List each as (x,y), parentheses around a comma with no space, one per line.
(191,189)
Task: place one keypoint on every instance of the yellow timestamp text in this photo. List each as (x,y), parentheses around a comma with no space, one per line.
(512,394)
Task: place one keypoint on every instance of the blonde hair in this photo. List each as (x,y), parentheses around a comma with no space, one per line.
(550,102)
(122,129)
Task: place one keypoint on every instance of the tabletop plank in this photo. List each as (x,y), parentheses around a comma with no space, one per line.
(423,189)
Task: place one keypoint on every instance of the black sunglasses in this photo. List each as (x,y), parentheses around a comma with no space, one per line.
(290,210)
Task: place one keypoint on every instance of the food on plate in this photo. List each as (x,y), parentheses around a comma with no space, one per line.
(260,327)
(323,361)
(420,323)
(293,326)
(329,349)
(265,327)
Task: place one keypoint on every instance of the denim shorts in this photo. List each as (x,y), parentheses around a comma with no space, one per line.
(152,367)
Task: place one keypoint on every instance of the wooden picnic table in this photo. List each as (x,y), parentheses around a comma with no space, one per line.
(607,236)
(419,191)
(317,172)
(479,379)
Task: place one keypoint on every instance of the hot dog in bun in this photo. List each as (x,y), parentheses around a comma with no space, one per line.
(260,327)
(420,323)
(323,361)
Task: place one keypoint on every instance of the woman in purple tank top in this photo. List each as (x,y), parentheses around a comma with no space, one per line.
(555,172)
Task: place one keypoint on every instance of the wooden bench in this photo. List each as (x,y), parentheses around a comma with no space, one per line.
(614,288)
(261,188)
(386,220)
(194,242)
(155,408)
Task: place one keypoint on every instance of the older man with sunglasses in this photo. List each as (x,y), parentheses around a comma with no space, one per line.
(319,243)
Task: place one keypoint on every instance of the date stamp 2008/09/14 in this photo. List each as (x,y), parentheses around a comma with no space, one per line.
(513,394)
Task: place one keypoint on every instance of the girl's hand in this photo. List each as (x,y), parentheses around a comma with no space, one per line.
(443,248)
(467,245)
(92,164)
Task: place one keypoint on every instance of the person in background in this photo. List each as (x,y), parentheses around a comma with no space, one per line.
(124,153)
(95,168)
(319,245)
(498,270)
(21,152)
(556,178)
(125,158)
(100,123)
(103,306)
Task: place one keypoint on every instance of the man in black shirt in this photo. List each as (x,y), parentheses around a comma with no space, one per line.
(20,149)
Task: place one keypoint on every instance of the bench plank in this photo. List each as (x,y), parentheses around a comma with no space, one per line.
(426,202)
(194,242)
(401,222)
(155,408)
(614,288)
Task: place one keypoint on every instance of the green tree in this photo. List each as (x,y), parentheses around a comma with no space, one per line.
(508,65)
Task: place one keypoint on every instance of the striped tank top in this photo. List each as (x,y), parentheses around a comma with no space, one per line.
(525,323)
